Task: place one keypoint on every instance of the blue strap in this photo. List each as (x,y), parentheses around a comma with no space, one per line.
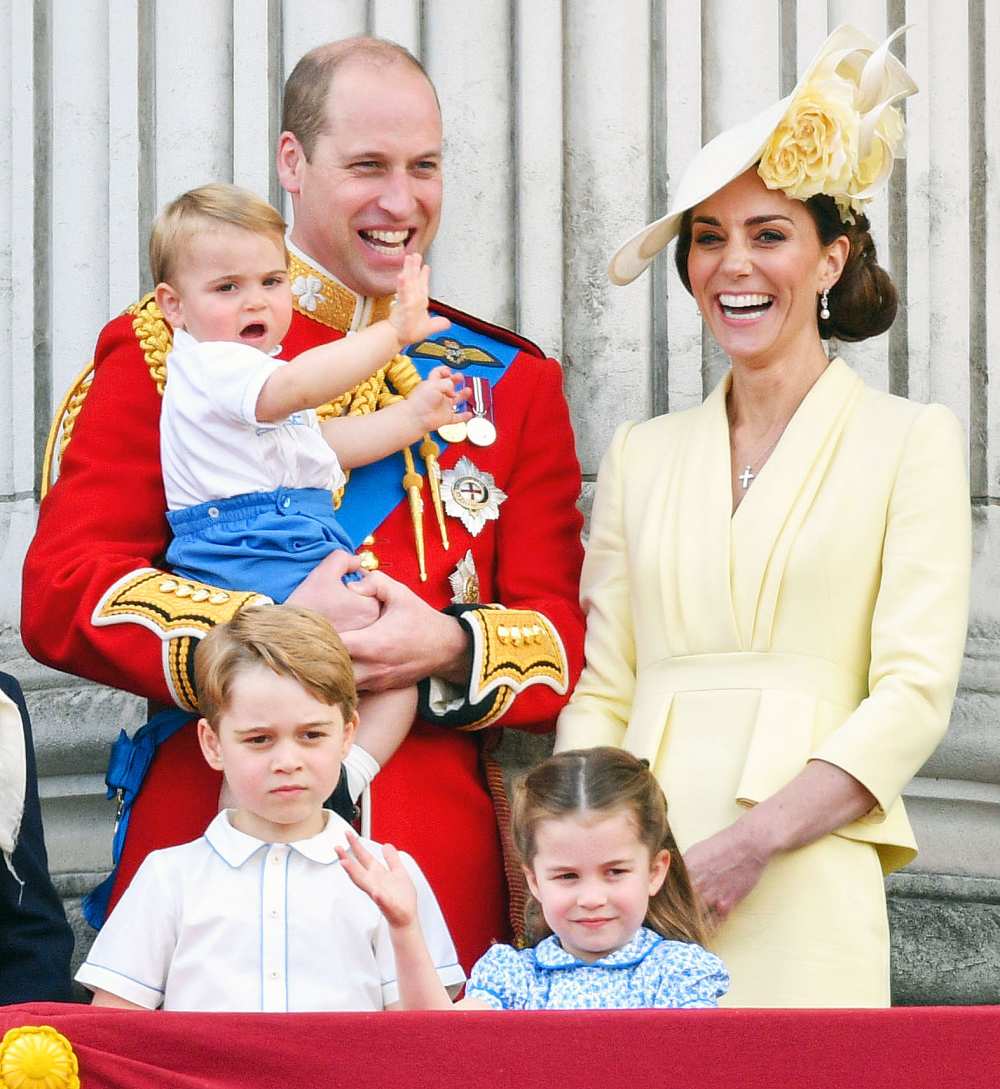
(130,760)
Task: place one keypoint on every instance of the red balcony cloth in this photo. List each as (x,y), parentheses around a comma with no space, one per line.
(913,1048)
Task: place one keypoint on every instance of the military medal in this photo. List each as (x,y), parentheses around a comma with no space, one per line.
(465,581)
(455,432)
(471,495)
(480,429)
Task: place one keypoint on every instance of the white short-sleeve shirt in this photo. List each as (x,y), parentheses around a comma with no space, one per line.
(211,444)
(230,923)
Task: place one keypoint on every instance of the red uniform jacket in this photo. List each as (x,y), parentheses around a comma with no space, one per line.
(97,603)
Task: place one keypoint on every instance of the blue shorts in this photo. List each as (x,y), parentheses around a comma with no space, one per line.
(263,541)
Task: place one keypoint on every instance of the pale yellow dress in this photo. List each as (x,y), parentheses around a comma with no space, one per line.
(825,618)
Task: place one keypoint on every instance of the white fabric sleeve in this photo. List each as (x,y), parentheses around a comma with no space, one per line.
(232,377)
(361,768)
(132,953)
(444,696)
(435,931)
(13,778)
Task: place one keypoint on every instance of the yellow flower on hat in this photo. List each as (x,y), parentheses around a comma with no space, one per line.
(37,1057)
(814,148)
(842,130)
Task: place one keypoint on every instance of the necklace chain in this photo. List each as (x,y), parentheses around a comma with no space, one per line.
(748,475)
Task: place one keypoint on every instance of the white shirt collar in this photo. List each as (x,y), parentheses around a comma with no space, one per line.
(235,847)
(549,953)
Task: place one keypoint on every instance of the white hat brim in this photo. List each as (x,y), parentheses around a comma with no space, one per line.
(718,163)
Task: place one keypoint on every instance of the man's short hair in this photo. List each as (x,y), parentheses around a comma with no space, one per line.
(192,211)
(287,639)
(307,88)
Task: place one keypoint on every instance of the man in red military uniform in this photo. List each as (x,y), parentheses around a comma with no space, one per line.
(361,158)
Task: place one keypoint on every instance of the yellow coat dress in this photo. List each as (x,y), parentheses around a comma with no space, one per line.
(825,619)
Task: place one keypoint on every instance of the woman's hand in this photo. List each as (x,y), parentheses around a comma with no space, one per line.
(388,885)
(820,799)
(724,868)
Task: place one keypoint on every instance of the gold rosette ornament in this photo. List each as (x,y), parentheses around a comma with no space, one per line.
(843,129)
(37,1057)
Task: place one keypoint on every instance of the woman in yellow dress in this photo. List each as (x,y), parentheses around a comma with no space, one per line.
(776,582)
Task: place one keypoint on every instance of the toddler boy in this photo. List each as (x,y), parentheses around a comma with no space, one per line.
(259,914)
(249,472)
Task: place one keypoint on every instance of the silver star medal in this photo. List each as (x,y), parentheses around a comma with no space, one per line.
(471,495)
(465,581)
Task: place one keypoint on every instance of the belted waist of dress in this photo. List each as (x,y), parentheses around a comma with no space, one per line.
(736,670)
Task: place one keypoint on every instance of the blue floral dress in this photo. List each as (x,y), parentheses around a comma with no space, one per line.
(649,972)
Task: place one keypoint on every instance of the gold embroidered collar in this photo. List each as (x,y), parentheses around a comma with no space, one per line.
(322,297)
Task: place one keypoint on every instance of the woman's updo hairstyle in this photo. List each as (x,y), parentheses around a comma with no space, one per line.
(863,302)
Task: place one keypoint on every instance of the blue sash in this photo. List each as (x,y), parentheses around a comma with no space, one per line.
(375,490)
(127,767)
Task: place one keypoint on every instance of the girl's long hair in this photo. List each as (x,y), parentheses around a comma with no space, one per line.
(604,780)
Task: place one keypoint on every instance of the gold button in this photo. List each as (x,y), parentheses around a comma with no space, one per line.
(200,595)
(168,586)
(219,598)
(184,591)
(369,540)
(503,634)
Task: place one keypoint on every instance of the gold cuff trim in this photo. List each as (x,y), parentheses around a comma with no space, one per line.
(503,698)
(178,668)
(169,606)
(514,648)
(179,612)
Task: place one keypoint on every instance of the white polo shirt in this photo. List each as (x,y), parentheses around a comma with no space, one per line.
(211,444)
(230,923)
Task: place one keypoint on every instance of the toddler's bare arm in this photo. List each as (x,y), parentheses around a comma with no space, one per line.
(325,372)
(359,440)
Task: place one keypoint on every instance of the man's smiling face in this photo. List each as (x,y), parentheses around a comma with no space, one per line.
(370,193)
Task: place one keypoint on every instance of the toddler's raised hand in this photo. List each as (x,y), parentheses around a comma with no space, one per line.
(389,885)
(433,403)
(408,315)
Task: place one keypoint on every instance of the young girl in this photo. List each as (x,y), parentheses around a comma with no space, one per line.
(613,914)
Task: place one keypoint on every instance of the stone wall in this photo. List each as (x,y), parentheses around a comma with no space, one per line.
(567,122)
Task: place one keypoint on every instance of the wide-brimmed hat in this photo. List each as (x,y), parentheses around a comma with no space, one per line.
(837,133)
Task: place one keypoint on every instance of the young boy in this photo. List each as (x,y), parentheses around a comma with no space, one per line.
(248,470)
(259,914)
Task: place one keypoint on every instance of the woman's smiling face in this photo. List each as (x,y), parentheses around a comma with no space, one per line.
(756,267)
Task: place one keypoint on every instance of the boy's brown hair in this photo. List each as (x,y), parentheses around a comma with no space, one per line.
(197,209)
(287,639)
